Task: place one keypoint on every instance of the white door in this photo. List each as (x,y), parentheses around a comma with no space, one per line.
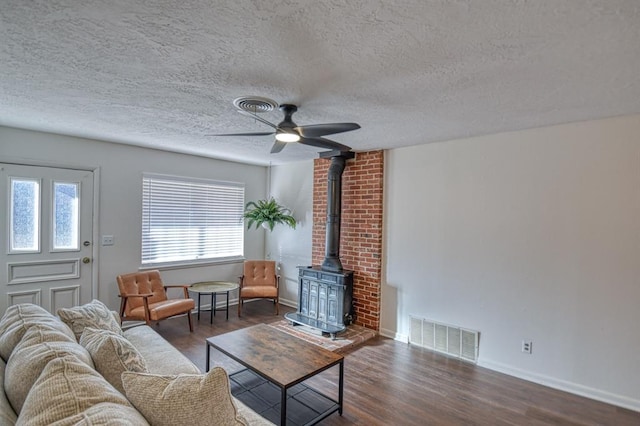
(46,240)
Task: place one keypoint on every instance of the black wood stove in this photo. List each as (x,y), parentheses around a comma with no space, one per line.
(325,293)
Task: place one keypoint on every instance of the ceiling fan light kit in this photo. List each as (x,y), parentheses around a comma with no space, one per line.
(287,137)
(287,131)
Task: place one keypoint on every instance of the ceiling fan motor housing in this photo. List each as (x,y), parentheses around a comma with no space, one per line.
(288,111)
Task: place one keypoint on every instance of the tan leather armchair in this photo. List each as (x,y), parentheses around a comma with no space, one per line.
(259,281)
(144,298)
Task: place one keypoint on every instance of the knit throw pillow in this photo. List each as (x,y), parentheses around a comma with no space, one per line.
(27,362)
(94,314)
(112,355)
(185,399)
(19,318)
(69,392)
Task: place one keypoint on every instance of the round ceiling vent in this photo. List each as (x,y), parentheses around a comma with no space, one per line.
(255,104)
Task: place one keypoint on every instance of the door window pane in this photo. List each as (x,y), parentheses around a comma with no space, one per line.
(24,222)
(66,215)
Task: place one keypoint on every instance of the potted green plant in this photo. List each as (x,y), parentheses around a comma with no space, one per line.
(267,213)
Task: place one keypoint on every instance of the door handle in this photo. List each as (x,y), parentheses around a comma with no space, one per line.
(86,260)
(86,243)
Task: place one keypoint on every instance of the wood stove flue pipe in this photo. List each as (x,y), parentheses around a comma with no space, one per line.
(334,207)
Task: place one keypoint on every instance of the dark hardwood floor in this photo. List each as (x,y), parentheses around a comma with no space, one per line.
(389,382)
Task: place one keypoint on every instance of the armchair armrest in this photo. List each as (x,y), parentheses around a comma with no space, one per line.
(124,296)
(184,287)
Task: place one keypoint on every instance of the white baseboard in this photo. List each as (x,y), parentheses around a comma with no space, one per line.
(234,301)
(393,335)
(290,303)
(563,385)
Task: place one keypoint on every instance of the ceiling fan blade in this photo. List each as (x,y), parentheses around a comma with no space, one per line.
(255,117)
(244,134)
(316,130)
(324,143)
(277,147)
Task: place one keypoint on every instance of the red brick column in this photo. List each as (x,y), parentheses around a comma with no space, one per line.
(361,228)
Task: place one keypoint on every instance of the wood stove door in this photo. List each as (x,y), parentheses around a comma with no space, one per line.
(313,300)
(322,302)
(332,306)
(303,303)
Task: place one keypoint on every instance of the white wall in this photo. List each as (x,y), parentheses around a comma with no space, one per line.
(292,186)
(525,235)
(121,169)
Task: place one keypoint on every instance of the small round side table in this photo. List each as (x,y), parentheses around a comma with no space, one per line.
(213,288)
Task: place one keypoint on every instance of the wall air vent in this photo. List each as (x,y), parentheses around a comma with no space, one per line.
(454,341)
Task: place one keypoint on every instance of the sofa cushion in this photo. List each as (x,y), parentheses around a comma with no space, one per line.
(185,399)
(105,413)
(161,357)
(18,319)
(94,314)
(112,354)
(28,360)
(7,415)
(40,333)
(70,392)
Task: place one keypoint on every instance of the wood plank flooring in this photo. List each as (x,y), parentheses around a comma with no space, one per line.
(389,382)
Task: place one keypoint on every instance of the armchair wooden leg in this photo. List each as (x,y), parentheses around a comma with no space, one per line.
(147,314)
(239,307)
(123,302)
(277,306)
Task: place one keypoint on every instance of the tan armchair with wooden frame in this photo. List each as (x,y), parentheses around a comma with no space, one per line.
(144,298)
(259,281)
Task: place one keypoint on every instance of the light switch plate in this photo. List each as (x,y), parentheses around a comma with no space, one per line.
(107,240)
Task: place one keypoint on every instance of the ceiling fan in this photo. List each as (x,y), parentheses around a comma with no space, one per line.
(287,131)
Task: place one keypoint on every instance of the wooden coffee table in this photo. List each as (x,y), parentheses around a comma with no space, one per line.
(284,361)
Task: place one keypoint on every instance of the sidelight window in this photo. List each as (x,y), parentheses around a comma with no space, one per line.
(66,216)
(24,221)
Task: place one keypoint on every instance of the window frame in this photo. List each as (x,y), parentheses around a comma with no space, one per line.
(233,216)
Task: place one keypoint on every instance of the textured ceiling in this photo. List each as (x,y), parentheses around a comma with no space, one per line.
(164,73)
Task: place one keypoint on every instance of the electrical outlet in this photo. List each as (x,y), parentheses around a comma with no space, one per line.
(527,346)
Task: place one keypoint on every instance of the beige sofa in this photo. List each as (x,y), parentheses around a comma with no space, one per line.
(80,368)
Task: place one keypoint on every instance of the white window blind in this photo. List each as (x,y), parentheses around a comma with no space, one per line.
(191,220)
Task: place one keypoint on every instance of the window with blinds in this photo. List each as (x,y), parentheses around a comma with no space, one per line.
(187,220)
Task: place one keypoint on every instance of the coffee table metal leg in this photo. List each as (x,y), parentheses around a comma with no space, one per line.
(227,306)
(198,306)
(215,304)
(208,358)
(283,407)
